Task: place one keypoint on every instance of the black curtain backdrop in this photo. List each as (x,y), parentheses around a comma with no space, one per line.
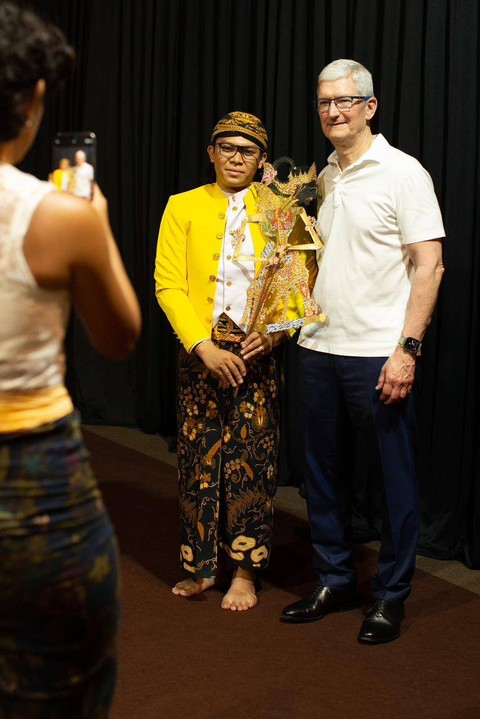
(153,77)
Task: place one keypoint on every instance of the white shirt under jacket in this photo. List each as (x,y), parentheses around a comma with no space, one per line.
(371,211)
(234,277)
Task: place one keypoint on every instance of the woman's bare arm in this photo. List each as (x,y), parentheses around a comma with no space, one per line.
(70,245)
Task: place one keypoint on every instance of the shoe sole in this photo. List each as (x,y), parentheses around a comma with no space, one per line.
(366,640)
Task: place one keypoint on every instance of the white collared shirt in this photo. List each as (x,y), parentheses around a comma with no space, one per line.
(233,278)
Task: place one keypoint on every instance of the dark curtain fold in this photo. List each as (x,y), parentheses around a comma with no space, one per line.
(151,80)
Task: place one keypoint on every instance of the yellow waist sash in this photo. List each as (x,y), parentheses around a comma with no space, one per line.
(22,411)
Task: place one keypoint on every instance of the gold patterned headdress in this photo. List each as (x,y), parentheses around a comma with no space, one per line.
(244,124)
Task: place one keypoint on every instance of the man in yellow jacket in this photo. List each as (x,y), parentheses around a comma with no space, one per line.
(229,383)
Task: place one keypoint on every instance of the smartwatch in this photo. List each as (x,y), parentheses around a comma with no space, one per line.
(410,344)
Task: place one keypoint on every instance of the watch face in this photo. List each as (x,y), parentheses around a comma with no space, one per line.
(411,344)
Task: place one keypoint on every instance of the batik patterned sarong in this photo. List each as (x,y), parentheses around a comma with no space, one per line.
(227,460)
(58,579)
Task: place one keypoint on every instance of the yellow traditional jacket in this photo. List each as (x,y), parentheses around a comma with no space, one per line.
(187,259)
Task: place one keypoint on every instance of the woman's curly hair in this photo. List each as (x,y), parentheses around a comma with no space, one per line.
(31,49)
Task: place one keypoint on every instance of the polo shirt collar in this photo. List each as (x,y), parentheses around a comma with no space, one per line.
(375,153)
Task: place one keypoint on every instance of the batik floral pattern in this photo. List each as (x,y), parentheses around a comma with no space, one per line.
(58,579)
(227,461)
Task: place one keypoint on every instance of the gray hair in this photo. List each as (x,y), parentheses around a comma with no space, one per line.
(348,68)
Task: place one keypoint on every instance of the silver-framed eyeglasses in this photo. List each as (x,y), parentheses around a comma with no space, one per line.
(344,104)
(248,152)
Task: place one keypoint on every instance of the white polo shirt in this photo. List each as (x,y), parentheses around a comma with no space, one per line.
(83,179)
(371,211)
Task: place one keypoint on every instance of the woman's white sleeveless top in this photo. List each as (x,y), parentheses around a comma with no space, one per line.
(32,320)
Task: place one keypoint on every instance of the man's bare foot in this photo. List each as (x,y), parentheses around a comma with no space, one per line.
(241,595)
(190,587)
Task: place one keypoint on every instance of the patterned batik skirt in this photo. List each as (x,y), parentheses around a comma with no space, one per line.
(59,600)
(227,463)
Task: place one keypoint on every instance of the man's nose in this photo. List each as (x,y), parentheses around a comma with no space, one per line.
(333,109)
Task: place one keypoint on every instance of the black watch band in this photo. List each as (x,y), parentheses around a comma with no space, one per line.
(410,344)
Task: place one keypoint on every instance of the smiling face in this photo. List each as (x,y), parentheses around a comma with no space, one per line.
(345,129)
(235,173)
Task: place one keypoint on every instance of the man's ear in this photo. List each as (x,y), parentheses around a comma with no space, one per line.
(372,105)
(211,153)
(262,160)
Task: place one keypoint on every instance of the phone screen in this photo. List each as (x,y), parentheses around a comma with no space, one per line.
(74,162)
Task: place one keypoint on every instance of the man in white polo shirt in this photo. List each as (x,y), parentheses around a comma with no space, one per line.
(83,176)
(378,283)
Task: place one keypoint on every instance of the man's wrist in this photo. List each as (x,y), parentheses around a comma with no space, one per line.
(410,344)
(275,338)
(197,345)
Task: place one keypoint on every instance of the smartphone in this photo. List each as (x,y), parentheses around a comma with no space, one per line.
(74,159)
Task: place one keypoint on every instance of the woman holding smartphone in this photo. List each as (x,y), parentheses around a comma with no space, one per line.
(58,569)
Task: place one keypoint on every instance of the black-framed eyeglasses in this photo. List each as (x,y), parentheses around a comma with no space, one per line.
(248,152)
(344,104)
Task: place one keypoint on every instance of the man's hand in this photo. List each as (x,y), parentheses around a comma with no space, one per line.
(397,376)
(225,366)
(258,344)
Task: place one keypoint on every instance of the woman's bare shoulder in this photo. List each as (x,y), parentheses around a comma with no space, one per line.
(65,229)
(62,219)
(57,206)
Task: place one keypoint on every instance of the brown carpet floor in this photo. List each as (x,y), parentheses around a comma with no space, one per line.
(188,658)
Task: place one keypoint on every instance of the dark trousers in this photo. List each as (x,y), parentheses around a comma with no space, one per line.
(338,397)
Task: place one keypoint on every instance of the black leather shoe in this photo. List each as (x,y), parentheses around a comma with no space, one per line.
(322,601)
(382,623)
